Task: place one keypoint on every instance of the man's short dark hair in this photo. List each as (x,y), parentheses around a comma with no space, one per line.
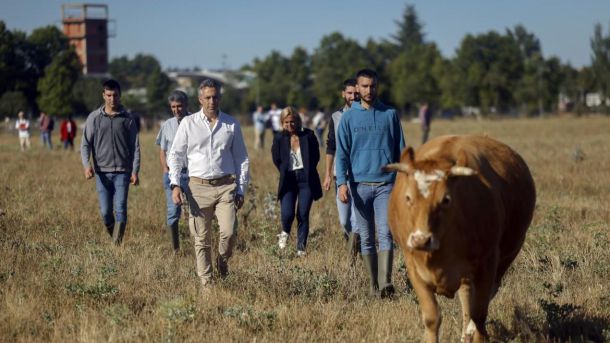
(349,83)
(209,83)
(112,85)
(178,96)
(368,73)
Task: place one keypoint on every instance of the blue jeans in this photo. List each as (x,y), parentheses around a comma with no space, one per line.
(371,209)
(298,190)
(46,139)
(112,189)
(347,216)
(173,210)
(69,143)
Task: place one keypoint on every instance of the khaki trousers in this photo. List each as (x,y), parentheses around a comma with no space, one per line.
(205,202)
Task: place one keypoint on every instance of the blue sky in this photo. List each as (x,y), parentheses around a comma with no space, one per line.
(210,34)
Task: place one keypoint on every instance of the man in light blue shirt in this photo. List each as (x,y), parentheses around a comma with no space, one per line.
(178,103)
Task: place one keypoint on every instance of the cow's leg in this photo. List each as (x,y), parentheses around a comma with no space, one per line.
(481,295)
(465,294)
(429,307)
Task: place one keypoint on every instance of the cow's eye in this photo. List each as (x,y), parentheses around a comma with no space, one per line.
(446,200)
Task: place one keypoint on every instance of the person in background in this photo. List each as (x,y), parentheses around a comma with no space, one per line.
(319,124)
(304,117)
(211,145)
(178,104)
(23,127)
(259,118)
(274,119)
(296,154)
(67,132)
(425,117)
(346,212)
(370,137)
(110,137)
(46,128)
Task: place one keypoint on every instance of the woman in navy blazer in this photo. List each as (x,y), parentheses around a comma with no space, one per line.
(296,154)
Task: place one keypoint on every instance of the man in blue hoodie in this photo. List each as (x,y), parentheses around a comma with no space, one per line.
(369,137)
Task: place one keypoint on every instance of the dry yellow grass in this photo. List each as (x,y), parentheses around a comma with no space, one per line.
(62,281)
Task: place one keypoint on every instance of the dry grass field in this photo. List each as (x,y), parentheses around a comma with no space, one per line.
(61,280)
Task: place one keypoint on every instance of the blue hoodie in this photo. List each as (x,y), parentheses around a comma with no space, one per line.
(367,140)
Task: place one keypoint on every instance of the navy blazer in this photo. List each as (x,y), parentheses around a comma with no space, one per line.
(310,152)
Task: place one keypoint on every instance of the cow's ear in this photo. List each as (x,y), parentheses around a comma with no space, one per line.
(406,163)
(408,157)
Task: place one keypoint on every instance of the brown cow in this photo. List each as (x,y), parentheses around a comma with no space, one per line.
(459,211)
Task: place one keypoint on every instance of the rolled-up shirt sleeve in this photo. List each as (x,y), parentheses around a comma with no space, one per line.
(176,158)
(240,158)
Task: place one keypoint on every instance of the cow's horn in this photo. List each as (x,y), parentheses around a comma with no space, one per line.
(399,167)
(462,171)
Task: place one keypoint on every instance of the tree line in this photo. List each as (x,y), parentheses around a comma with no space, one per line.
(491,72)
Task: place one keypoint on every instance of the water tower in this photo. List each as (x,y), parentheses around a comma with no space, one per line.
(86,26)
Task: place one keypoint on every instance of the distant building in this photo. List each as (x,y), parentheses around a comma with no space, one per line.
(86,26)
(190,80)
(595,99)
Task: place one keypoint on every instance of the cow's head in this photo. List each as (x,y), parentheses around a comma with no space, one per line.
(423,199)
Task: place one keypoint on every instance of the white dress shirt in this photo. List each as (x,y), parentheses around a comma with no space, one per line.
(209,152)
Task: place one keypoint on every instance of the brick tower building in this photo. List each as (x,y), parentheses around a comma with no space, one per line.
(86,26)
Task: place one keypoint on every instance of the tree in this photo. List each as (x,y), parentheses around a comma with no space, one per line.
(271,83)
(600,60)
(300,92)
(9,63)
(133,73)
(334,60)
(489,66)
(529,92)
(86,95)
(11,103)
(412,76)
(157,88)
(55,87)
(409,33)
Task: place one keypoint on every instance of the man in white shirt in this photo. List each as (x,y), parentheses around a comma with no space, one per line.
(211,145)
(274,117)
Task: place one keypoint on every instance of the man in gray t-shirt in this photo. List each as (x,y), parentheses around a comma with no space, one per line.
(178,103)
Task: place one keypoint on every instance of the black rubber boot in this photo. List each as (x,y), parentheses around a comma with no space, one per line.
(384,277)
(119,232)
(370,263)
(174,234)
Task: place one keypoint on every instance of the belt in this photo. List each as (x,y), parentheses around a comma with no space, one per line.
(223,180)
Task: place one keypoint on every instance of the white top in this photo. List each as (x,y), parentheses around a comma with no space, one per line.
(296,160)
(209,152)
(23,126)
(275,115)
